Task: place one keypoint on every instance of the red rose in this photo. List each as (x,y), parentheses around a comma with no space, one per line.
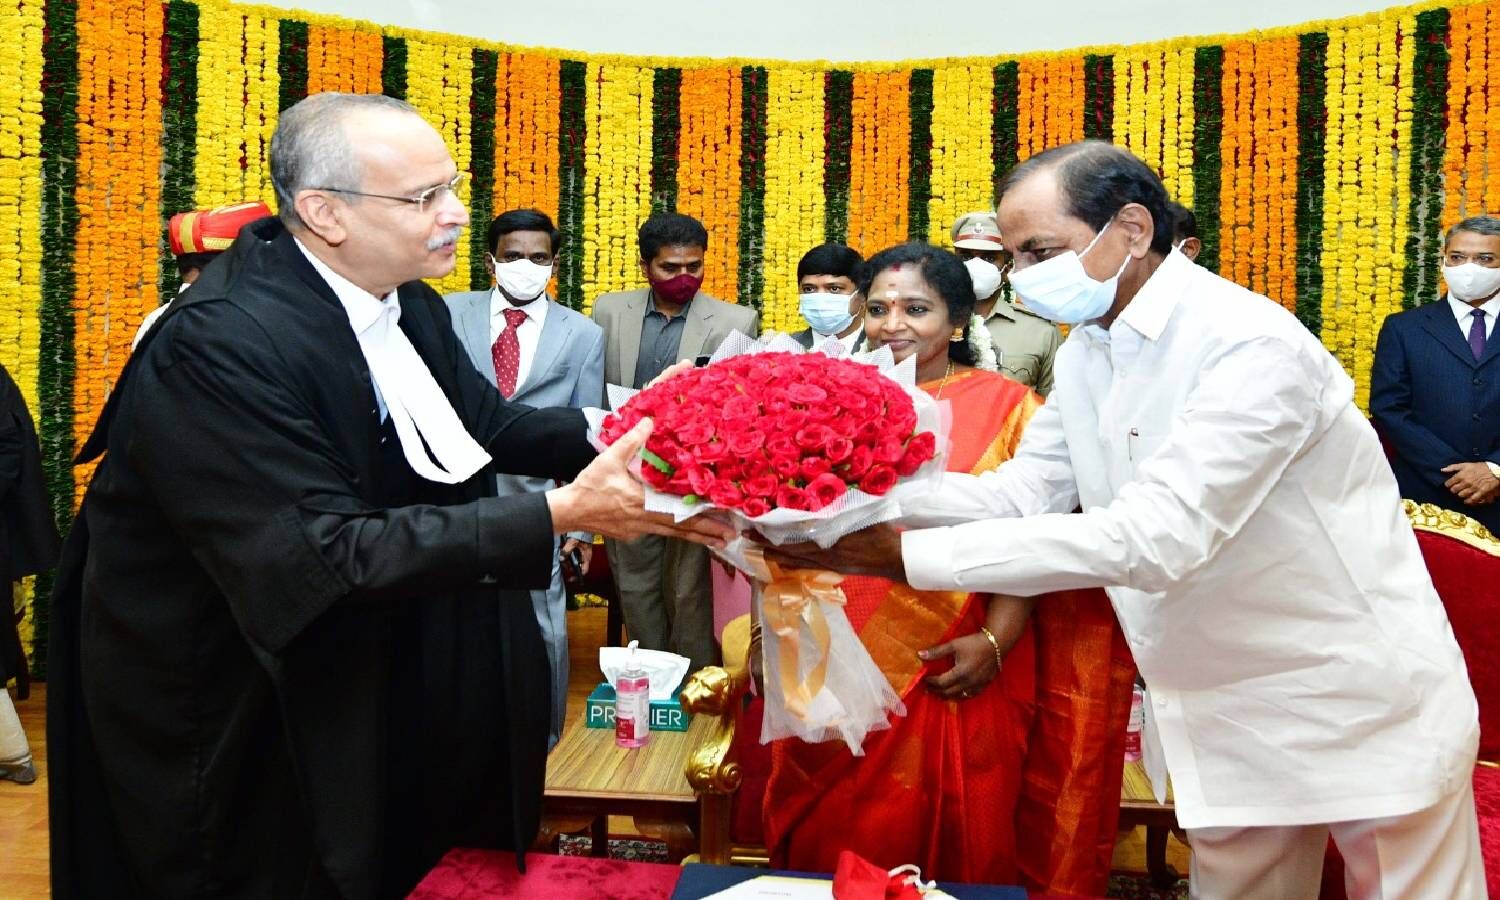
(813,437)
(744,443)
(825,489)
(792,420)
(860,461)
(788,497)
(918,451)
(700,480)
(813,466)
(839,449)
(870,432)
(901,418)
(878,481)
(889,451)
(781,445)
(679,484)
(786,466)
(711,452)
(741,407)
(726,495)
(806,393)
(755,506)
(761,486)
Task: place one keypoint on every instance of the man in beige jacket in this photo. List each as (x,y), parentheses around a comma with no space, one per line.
(665,593)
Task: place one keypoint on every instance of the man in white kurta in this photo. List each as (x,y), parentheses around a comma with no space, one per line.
(1240,513)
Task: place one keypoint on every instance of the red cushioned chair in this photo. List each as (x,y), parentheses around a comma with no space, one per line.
(1464,561)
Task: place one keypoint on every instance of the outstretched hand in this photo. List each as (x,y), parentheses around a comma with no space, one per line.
(870,551)
(607,499)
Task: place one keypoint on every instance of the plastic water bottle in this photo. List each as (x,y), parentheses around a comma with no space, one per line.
(1136,723)
(632,705)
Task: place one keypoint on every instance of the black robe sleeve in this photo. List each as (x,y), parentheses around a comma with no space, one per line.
(264,493)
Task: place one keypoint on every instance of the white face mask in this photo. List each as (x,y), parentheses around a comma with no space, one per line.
(522,280)
(1060,288)
(828,314)
(1471,281)
(986,277)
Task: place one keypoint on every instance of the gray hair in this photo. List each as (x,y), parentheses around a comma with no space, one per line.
(311,148)
(1486,224)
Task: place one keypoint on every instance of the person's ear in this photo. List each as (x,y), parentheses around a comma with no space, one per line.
(1136,221)
(489,263)
(1191,248)
(323,216)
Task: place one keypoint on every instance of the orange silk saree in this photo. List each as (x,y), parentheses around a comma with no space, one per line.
(952,786)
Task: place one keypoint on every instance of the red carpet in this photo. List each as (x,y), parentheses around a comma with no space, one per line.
(467,874)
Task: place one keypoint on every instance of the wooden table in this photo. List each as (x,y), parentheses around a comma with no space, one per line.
(1138,806)
(590,779)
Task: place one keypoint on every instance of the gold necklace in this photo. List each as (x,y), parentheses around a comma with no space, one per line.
(944,383)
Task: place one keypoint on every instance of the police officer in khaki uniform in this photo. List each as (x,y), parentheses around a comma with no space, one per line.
(1024,341)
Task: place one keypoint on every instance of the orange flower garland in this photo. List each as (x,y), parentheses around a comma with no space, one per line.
(1031,120)
(1474,173)
(1491,112)
(118,195)
(1232,211)
(526,127)
(879,161)
(708,168)
(1461,24)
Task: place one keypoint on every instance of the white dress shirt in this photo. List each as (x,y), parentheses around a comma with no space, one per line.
(848,340)
(529,334)
(404,387)
(1240,514)
(1463,312)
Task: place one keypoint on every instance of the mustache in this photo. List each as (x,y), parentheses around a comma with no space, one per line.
(450,236)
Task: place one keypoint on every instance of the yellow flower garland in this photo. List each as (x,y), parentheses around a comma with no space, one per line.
(961,146)
(20,195)
(794,201)
(618,191)
(438,83)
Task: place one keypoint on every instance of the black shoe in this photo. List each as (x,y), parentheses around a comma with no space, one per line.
(20,773)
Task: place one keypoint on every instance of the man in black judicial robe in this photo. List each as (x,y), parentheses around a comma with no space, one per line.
(279,666)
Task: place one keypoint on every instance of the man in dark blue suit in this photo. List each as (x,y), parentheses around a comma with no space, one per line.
(1435,385)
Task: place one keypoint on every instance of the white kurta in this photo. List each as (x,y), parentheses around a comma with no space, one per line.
(1240,512)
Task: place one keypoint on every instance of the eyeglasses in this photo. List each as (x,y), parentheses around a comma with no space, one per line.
(421,201)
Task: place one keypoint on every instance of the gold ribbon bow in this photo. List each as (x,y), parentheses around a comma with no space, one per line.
(786,594)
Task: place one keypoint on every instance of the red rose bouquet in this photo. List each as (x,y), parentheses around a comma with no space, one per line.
(797,446)
(777,431)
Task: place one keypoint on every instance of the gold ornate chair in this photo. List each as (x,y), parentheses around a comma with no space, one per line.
(715,769)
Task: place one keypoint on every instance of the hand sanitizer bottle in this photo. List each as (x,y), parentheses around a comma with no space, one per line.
(632,705)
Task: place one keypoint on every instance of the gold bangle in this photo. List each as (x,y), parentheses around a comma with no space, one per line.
(994,643)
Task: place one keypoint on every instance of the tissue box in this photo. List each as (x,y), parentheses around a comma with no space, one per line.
(666,715)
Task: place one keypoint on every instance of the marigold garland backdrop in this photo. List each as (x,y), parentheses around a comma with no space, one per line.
(1323,161)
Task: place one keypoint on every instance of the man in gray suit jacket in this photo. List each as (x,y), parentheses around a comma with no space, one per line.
(665,594)
(538,352)
(829,298)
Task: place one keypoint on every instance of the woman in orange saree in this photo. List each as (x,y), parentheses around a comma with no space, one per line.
(945,787)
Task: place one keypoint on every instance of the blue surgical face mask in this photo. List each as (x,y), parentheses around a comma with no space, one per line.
(1061,290)
(828,314)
